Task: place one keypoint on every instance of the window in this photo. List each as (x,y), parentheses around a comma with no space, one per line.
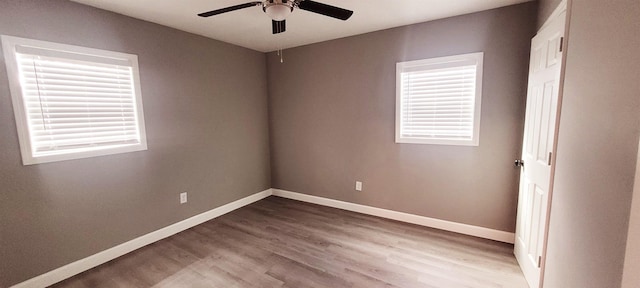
(73,102)
(438,100)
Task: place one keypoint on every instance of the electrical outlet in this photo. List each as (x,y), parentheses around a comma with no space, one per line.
(183,197)
(358,186)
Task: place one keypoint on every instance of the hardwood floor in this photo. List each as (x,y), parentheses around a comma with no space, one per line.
(278,242)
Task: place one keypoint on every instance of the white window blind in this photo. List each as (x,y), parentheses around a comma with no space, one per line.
(75,101)
(438,100)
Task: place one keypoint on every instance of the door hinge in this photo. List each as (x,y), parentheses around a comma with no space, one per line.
(539,261)
(549,161)
(561,43)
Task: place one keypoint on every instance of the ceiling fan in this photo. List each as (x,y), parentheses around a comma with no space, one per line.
(278,10)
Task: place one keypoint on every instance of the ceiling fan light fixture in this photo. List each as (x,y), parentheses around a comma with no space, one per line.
(278,11)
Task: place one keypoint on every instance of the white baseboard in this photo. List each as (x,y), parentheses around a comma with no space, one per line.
(64,272)
(477,231)
(77,267)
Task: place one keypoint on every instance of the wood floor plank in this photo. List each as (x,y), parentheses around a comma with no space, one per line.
(278,242)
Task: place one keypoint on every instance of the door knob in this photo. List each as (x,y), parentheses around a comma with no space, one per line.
(519,163)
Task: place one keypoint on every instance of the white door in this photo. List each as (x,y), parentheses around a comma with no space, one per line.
(538,146)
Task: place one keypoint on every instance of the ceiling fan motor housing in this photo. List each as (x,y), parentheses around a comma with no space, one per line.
(278,10)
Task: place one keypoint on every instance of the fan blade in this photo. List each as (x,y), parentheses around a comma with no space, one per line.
(324,9)
(278,26)
(229,9)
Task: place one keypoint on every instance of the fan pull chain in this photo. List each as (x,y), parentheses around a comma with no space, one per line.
(280,54)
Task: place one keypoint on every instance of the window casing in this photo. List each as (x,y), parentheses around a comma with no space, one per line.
(438,100)
(73,102)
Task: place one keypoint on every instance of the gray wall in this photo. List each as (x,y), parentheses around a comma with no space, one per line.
(597,146)
(545,8)
(332,108)
(205,105)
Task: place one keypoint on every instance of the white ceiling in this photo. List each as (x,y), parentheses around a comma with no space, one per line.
(251,28)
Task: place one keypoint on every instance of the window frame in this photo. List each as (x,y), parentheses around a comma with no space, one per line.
(10,46)
(436,63)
